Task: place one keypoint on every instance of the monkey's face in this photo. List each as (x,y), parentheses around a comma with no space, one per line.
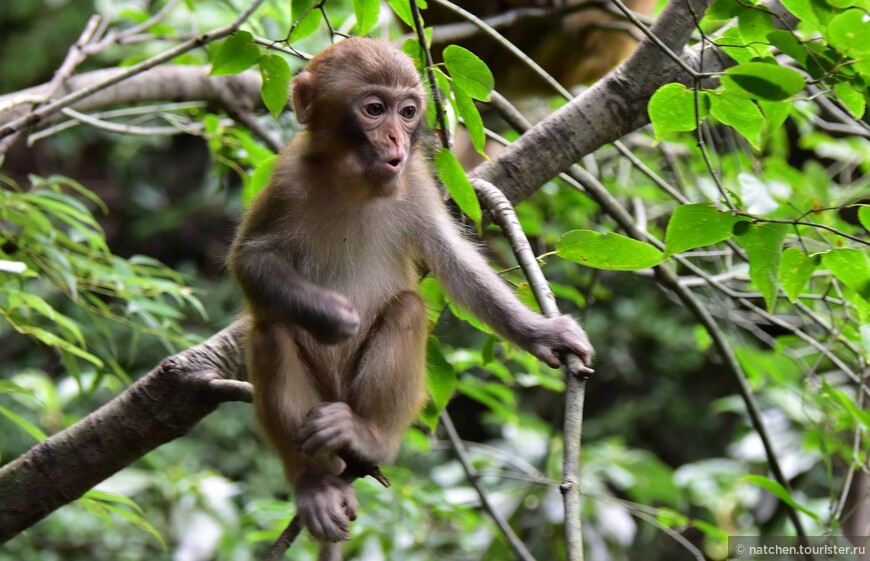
(388,120)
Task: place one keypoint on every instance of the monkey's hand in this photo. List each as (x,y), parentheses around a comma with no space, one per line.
(331,319)
(329,427)
(553,337)
(326,504)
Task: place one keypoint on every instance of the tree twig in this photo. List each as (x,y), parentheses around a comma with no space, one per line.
(575,371)
(49,109)
(473,476)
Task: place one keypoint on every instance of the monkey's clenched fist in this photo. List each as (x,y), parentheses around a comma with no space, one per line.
(557,336)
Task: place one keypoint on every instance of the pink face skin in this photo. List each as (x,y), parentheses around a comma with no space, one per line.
(390,120)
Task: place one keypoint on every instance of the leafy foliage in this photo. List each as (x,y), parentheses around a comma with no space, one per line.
(765,221)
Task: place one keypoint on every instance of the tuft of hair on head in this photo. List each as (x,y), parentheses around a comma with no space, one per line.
(373,61)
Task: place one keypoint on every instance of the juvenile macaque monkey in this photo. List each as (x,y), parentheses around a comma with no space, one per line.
(327,259)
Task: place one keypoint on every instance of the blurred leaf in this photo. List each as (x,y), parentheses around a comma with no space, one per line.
(698,225)
(763,244)
(473,122)
(786,42)
(24,424)
(236,54)
(609,251)
(858,415)
(367,13)
(402,9)
(739,112)
(852,268)
(468,72)
(806,10)
(864,216)
(779,491)
(795,270)
(457,183)
(306,18)
(276,83)
(851,98)
(258,180)
(440,381)
(849,31)
(672,108)
(764,80)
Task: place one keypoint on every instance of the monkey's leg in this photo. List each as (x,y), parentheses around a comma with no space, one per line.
(384,387)
(284,392)
(330,552)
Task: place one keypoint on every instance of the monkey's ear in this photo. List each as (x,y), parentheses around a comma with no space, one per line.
(303,96)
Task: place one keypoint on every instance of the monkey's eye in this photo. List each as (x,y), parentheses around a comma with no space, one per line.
(409,112)
(374,109)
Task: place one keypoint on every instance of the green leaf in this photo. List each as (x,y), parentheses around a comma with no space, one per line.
(258,180)
(846,402)
(711,530)
(367,12)
(850,32)
(440,381)
(852,268)
(468,72)
(609,251)
(864,216)
(402,9)
(724,9)
(106,497)
(306,19)
(276,83)
(795,270)
(779,491)
(137,520)
(805,10)
(24,424)
(698,225)
(471,116)
(739,112)
(763,244)
(239,52)
(786,42)
(732,44)
(672,109)
(754,27)
(764,80)
(454,178)
(851,98)
(775,113)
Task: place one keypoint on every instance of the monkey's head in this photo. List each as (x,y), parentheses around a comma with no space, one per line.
(362,99)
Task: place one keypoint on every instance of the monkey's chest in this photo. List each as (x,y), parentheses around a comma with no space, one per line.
(369,273)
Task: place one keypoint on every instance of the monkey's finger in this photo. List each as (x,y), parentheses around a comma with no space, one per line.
(546,354)
(350,503)
(338,523)
(330,438)
(582,350)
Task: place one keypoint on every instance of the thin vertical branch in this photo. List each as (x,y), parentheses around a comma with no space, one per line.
(575,371)
(474,477)
(430,73)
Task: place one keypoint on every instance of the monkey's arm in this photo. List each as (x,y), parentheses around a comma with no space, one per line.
(276,292)
(469,280)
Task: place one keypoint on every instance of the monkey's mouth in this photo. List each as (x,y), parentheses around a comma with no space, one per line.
(393,165)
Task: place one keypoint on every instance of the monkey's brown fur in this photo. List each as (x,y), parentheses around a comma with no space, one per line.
(327,259)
